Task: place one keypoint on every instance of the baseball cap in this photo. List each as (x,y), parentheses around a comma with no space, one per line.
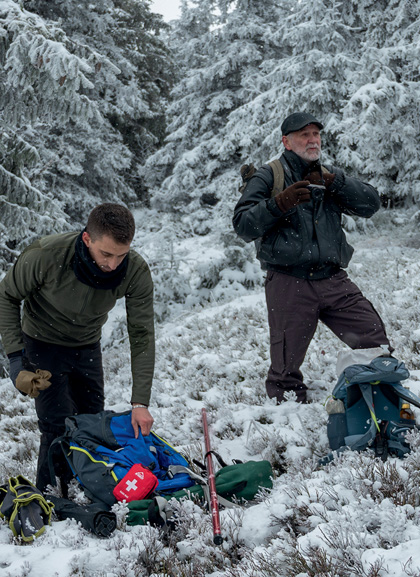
(297,121)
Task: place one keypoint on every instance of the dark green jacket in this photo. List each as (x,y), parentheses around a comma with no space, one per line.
(307,241)
(59,309)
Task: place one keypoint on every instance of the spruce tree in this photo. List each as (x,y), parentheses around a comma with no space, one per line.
(131,94)
(33,61)
(82,94)
(380,122)
(221,45)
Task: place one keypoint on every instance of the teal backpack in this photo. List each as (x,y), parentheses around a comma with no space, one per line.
(365,411)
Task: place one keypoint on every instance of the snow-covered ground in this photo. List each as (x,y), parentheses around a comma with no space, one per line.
(356,517)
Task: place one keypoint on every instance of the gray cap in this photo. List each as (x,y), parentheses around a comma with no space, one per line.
(297,121)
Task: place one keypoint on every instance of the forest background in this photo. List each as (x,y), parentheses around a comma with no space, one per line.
(106,102)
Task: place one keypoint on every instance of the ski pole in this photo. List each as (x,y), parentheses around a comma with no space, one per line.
(214,504)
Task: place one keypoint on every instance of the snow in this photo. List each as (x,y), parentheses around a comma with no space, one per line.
(358,513)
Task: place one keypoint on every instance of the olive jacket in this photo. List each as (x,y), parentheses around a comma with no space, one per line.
(59,309)
(307,241)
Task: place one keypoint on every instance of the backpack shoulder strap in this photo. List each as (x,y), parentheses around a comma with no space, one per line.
(406,394)
(59,446)
(278,172)
(355,442)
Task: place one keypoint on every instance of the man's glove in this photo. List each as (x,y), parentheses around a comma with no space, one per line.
(15,366)
(320,178)
(293,195)
(32,383)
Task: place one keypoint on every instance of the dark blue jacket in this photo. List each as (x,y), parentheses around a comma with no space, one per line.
(308,241)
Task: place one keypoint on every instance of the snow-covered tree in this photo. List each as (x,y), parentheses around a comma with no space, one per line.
(247,65)
(320,43)
(380,124)
(82,93)
(223,45)
(130,94)
(34,61)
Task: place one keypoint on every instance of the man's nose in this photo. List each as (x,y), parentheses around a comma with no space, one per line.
(112,262)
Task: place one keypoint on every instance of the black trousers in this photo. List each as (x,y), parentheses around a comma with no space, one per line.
(77,386)
(294,308)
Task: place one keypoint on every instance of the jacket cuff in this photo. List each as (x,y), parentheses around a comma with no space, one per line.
(15,354)
(275,210)
(338,182)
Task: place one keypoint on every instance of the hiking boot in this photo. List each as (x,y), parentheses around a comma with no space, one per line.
(277,391)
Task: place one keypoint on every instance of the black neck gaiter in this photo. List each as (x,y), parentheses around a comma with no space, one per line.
(88,272)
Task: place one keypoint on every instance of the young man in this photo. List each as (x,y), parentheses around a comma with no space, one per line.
(301,244)
(68,283)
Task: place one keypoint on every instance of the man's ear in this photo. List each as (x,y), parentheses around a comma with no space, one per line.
(286,143)
(86,238)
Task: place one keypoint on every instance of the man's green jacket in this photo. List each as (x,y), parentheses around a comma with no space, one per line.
(59,309)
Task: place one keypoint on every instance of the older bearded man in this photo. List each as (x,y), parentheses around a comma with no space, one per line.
(302,246)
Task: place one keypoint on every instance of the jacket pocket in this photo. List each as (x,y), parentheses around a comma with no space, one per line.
(286,245)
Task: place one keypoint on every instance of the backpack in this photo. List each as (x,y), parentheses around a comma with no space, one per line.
(102,452)
(234,484)
(248,171)
(365,409)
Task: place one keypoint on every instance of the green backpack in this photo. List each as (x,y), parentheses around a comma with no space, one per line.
(234,483)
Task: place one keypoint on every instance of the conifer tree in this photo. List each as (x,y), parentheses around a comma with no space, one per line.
(33,61)
(131,95)
(380,122)
(82,93)
(224,44)
(320,42)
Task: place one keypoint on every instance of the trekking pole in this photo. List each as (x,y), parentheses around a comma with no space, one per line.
(214,504)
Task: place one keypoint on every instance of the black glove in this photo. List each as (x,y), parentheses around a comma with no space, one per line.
(293,195)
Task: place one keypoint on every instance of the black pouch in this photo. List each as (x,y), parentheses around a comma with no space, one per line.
(94,517)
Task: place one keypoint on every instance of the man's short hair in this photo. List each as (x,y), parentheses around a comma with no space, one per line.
(112,220)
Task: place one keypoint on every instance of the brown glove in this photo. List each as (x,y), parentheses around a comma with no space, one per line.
(321,179)
(32,383)
(293,195)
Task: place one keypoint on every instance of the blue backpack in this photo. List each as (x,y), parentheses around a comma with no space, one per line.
(101,448)
(365,409)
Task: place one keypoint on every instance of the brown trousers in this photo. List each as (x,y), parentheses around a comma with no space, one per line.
(294,308)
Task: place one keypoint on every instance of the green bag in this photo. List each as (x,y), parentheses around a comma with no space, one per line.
(239,482)
(25,508)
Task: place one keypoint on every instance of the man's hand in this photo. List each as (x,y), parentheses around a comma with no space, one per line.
(293,195)
(141,418)
(320,178)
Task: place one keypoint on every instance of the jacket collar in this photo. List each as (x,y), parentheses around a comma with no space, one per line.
(297,165)
(88,272)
